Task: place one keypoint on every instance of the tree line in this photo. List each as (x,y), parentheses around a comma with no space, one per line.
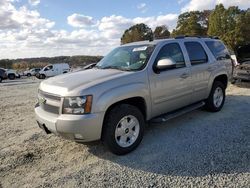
(231,25)
(28,63)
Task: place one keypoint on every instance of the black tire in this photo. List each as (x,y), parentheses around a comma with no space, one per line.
(1,79)
(42,76)
(210,105)
(29,75)
(112,119)
(233,81)
(11,76)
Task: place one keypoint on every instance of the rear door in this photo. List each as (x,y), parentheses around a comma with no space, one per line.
(201,69)
(170,88)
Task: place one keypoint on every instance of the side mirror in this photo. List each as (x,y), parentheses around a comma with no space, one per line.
(165,63)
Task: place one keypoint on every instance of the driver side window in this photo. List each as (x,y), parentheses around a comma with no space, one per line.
(172,51)
(48,68)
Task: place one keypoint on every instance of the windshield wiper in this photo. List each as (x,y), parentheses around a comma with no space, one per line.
(115,67)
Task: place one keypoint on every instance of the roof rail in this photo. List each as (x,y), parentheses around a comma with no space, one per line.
(214,37)
(184,36)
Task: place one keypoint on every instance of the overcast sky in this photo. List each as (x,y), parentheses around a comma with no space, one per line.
(36,28)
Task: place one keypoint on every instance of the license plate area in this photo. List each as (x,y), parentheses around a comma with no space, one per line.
(43,127)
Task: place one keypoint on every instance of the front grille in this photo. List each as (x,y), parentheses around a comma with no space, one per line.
(49,96)
(50,108)
(52,102)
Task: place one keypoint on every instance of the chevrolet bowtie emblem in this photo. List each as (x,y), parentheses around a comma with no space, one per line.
(41,100)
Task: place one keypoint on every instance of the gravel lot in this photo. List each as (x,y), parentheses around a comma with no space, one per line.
(198,149)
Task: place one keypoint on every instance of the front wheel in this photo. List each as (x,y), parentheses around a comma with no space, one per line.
(123,129)
(216,98)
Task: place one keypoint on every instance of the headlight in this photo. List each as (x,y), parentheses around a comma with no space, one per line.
(77,105)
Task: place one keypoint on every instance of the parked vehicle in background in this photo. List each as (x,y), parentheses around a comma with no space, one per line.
(3,74)
(135,83)
(53,70)
(242,70)
(12,74)
(31,72)
(89,66)
(235,62)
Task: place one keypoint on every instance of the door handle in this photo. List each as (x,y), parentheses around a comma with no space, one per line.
(184,75)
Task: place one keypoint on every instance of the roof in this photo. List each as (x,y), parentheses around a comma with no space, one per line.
(157,41)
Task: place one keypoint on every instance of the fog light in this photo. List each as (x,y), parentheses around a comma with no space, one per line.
(78,136)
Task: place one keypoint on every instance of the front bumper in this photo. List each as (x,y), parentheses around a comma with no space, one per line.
(81,128)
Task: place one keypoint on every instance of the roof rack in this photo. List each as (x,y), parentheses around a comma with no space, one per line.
(184,36)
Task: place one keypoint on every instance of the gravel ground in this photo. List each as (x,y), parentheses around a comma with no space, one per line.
(198,149)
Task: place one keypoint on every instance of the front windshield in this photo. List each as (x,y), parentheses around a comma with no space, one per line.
(127,58)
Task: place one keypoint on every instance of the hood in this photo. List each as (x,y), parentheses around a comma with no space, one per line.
(63,84)
(243,53)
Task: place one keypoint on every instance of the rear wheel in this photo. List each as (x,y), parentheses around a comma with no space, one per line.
(216,99)
(11,76)
(42,76)
(123,129)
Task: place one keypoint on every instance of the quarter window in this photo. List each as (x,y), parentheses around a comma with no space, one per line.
(172,51)
(218,50)
(196,53)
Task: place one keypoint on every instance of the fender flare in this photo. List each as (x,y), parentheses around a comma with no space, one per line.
(120,93)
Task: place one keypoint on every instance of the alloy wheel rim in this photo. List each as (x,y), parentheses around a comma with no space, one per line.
(127,131)
(218,97)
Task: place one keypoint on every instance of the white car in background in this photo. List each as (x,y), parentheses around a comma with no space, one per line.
(12,74)
(53,70)
(31,72)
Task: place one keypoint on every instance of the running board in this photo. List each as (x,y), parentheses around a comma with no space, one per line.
(165,117)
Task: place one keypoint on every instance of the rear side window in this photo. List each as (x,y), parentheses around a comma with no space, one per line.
(218,50)
(172,51)
(196,53)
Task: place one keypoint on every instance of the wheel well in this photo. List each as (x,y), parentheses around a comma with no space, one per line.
(223,79)
(138,102)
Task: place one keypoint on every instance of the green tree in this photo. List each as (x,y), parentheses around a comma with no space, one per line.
(242,29)
(231,25)
(194,23)
(6,63)
(161,32)
(138,32)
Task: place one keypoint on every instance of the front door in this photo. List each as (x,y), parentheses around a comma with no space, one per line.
(49,71)
(170,88)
